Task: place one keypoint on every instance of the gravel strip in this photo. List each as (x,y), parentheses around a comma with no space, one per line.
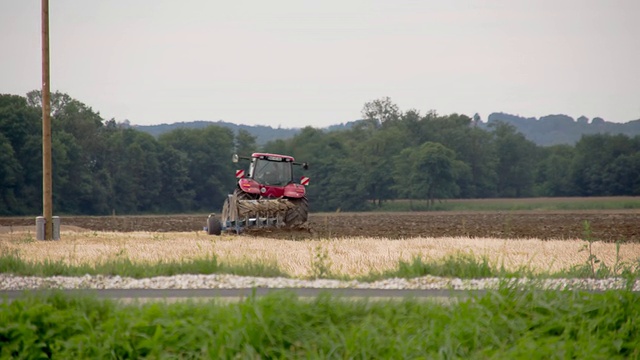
(11,282)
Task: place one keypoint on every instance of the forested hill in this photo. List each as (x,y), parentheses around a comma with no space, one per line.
(262,133)
(545,131)
(562,129)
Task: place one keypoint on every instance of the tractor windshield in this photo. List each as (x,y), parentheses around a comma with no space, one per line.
(274,173)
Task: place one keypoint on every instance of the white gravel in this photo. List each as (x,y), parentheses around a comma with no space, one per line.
(11,282)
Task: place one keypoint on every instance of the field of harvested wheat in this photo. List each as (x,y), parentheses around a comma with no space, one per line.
(345,256)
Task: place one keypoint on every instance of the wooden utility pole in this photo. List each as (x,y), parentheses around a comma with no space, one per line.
(47,192)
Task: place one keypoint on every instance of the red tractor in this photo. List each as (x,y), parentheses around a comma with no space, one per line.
(266,196)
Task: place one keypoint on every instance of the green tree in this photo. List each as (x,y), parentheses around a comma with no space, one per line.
(245,143)
(176,193)
(135,178)
(77,146)
(517,159)
(428,172)
(472,145)
(623,175)
(10,173)
(209,152)
(553,177)
(480,155)
(381,112)
(375,155)
(594,167)
(21,126)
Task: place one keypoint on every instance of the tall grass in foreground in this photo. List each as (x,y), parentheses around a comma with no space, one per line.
(502,324)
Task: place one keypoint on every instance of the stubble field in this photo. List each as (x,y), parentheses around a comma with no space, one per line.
(352,244)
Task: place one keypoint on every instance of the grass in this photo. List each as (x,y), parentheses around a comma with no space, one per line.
(12,263)
(502,324)
(524,204)
(461,265)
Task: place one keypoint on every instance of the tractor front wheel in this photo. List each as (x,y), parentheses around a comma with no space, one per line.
(214,227)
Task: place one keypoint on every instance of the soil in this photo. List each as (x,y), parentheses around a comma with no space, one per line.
(608,226)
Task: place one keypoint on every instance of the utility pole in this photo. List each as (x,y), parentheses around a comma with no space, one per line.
(47,188)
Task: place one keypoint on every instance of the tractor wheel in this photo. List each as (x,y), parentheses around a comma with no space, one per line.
(298,214)
(241,195)
(214,227)
(224,216)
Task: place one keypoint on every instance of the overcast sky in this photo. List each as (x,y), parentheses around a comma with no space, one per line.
(296,63)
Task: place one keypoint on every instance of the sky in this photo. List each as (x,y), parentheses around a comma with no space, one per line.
(296,63)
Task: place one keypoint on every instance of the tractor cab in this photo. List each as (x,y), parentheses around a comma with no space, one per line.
(271,170)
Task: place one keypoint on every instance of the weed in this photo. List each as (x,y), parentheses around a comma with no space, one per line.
(320,262)
(592,259)
(598,269)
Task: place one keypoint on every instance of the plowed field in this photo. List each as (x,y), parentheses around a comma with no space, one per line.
(608,226)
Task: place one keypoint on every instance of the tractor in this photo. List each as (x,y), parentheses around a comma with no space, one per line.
(265,197)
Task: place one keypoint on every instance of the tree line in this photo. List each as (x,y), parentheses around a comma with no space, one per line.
(102,167)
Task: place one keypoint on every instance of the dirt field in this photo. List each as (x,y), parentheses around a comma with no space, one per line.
(607,226)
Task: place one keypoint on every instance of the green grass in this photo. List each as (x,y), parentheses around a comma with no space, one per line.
(525,204)
(461,266)
(505,324)
(11,263)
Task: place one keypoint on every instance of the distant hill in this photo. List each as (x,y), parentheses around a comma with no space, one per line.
(562,129)
(547,130)
(262,133)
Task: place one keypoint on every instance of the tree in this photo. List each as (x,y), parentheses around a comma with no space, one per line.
(599,164)
(517,158)
(472,145)
(10,173)
(208,152)
(480,155)
(428,171)
(375,156)
(176,193)
(623,175)
(21,127)
(553,177)
(381,111)
(245,143)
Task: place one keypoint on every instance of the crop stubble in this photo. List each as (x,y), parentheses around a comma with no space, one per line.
(355,243)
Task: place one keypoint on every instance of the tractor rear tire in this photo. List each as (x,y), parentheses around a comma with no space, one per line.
(297,215)
(214,227)
(241,195)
